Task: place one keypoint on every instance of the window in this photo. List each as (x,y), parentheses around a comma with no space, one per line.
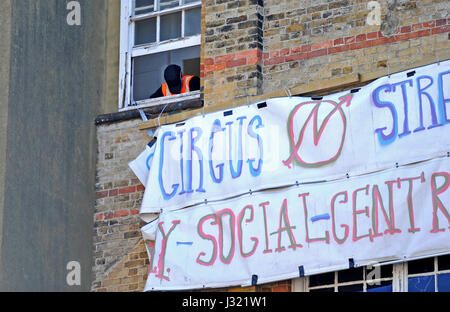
(422,275)
(154,34)
(429,275)
(362,279)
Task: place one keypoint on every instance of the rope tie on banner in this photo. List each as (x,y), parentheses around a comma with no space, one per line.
(301,271)
(160,114)
(144,118)
(288,92)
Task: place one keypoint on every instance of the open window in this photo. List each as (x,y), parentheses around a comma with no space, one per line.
(154,34)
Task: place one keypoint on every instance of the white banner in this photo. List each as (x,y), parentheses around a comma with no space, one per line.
(393,121)
(278,234)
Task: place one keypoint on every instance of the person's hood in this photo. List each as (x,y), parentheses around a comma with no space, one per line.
(172,75)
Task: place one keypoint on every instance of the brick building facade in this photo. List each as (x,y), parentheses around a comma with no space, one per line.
(251,50)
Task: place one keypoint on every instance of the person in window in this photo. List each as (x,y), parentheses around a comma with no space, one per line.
(176,83)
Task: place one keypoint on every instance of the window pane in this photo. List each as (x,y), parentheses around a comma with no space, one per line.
(143,3)
(382,271)
(444,282)
(167,4)
(170,26)
(148,74)
(354,274)
(444,263)
(192,22)
(421,266)
(322,290)
(148,70)
(421,284)
(189,1)
(321,279)
(145,31)
(143,6)
(350,288)
(385,286)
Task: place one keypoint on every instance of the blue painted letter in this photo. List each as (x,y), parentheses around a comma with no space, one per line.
(166,196)
(256,172)
(385,139)
(215,128)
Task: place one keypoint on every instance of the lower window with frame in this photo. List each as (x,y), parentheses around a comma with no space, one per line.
(148,70)
(423,275)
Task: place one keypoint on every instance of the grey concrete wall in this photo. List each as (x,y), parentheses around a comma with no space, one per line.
(56,89)
(5,45)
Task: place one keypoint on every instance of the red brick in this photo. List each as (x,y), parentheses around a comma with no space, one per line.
(284,52)
(424,33)
(224,58)
(429,24)
(275,60)
(405,29)
(121,213)
(275,53)
(215,67)
(209,61)
(266,55)
(140,188)
(99,217)
(413,35)
(372,35)
(338,41)
(328,44)
(384,40)
(338,49)
(253,60)
(349,39)
(295,50)
(280,288)
(416,27)
(113,192)
(296,57)
(317,53)
(360,45)
(248,54)
(405,36)
(316,46)
(108,215)
(127,190)
(321,45)
(238,62)
(441,22)
(361,37)
(440,30)
(101,194)
(134,211)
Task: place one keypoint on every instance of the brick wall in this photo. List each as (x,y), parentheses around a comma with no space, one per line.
(120,258)
(305,41)
(232,50)
(250,48)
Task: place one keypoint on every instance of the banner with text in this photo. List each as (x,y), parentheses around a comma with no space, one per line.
(393,121)
(307,229)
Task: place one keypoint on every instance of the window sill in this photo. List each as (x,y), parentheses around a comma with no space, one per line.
(194,95)
(153,108)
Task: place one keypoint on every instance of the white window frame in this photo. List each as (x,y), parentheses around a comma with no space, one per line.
(399,277)
(128,51)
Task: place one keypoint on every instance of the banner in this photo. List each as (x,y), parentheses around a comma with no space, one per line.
(393,121)
(282,233)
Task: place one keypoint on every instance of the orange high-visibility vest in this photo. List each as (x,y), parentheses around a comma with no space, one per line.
(185,86)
